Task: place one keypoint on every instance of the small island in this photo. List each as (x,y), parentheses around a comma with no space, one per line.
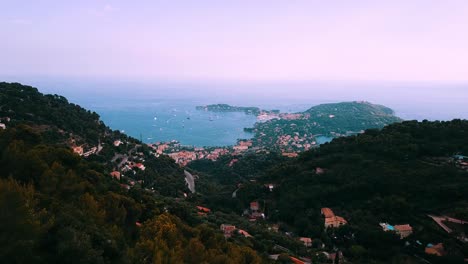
(249,110)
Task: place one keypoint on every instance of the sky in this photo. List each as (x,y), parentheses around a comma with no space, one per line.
(247,41)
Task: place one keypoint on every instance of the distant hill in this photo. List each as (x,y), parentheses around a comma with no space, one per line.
(331,120)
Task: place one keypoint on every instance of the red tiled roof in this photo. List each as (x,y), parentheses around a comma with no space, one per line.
(296,260)
(327,212)
(203,209)
(403,228)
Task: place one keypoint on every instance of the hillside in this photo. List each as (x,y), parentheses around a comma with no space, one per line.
(397,175)
(346,117)
(57,206)
(302,131)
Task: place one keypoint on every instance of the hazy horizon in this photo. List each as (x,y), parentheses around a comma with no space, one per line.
(241,41)
(409,100)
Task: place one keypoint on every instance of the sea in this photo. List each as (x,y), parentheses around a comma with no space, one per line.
(165,111)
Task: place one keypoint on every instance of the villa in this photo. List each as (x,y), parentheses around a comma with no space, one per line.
(402,230)
(331,220)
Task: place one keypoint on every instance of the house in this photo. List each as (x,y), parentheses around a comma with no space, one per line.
(140,166)
(115,174)
(403,230)
(227,230)
(297,261)
(2,126)
(244,233)
(334,222)
(327,212)
(254,206)
(202,211)
(437,250)
(117,143)
(331,220)
(290,154)
(307,241)
(270,186)
(255,212)
(78,150)
(240,148)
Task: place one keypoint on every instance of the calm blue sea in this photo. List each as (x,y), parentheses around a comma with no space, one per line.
(166,111)
(161,120)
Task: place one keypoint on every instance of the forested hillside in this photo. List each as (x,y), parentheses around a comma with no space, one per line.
(400,174)
(58,207)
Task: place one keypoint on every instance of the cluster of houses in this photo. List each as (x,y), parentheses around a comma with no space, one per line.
(229,230)
(295,143)
(186,154)
(270,115)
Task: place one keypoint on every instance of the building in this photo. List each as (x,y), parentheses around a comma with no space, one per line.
(254,206)
(270,186)
(227,230)
(2,126)
(244,233)
(78,150)
(331,220)
(307,241)
(115,174)
(437,250)
(403,230)
(334,222)
(202,211)
(290,154)
(327,212)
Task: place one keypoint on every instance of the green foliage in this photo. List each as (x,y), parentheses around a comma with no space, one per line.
(56,207)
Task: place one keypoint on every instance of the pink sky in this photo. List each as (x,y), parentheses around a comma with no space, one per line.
(400,40)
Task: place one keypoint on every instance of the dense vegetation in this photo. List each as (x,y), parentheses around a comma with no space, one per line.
(56,206)
(249,110)
(398,175)
(334,120)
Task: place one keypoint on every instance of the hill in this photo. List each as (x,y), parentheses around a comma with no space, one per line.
(57,206)
(399,175)
(303,131)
